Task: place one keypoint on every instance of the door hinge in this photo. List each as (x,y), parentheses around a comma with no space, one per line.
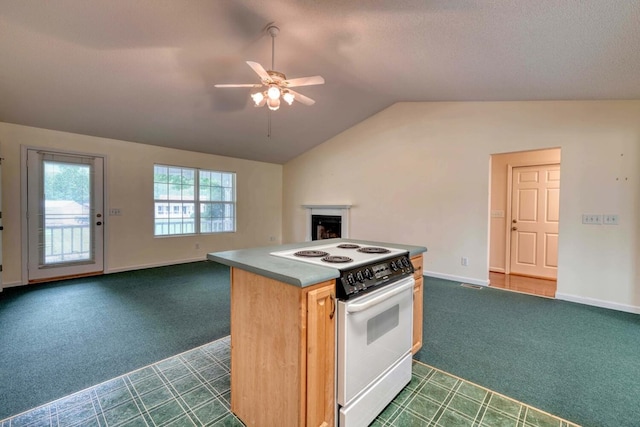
(0,267)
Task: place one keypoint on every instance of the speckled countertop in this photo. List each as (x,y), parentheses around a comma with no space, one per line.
(301,274)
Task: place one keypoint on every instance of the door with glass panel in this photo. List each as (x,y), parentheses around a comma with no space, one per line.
(65,215)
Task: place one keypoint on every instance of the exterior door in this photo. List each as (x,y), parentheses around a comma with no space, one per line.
(535,195)
(64,214)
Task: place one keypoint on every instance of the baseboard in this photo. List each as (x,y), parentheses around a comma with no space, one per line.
(497,270)
(10,285)
(598,303)
(156,264)
(457,278)
(120,270)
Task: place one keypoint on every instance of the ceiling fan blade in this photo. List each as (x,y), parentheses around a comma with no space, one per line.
(304,81)
(239,85)
(301,98)
(260,71)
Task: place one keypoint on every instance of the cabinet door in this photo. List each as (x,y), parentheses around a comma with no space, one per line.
(417,302)
(417,267)
(321,307)
(418,290)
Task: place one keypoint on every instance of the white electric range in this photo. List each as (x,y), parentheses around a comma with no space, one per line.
(374,324)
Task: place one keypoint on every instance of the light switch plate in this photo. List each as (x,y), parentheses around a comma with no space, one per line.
(592,219)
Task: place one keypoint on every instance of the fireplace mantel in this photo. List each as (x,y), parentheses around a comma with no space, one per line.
(327,206)
(337,210)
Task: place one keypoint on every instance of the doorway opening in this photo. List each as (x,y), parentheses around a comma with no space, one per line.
(524,211)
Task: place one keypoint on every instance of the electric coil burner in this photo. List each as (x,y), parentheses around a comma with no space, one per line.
(337,259)
(374,250)
(348,246)
(311,254)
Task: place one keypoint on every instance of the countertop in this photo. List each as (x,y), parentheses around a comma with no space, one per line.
(301,274)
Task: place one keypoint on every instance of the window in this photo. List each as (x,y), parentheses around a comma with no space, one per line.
(193,201)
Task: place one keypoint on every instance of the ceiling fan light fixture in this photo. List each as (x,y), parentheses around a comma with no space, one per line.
(273,92)
(288,97)
(274,85)
(273,104)
(257,97)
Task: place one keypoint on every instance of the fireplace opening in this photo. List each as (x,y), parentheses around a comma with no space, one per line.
(326,227)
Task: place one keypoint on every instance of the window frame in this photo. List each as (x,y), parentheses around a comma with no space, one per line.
(164,207)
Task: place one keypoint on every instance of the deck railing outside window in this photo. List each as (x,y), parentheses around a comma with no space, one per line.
(67,238)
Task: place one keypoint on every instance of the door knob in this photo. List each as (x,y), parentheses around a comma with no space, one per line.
(98,223)
(514,228)
(514,221)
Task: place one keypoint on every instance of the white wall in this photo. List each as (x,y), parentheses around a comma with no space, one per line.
(418,173)
(129,239)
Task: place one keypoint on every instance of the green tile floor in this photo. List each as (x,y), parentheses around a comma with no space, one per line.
(193,389)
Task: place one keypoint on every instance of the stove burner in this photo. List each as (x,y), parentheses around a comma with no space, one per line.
(311,254)
(348,246)
(373,250)
(336,259)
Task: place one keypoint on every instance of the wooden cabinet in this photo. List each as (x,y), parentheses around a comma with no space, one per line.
(417,303)
(321,308)
(282,351)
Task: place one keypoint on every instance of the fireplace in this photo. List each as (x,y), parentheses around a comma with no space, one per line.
(326,227)
(327,221)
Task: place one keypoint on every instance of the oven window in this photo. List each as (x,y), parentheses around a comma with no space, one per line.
(384,322)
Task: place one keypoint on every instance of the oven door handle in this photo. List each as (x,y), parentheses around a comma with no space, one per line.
(357,307)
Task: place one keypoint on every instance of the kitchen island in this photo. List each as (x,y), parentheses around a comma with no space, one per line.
(283,334)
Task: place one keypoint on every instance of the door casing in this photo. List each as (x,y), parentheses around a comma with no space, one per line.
(24,223)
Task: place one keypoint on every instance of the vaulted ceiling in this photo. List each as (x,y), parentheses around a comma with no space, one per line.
(144,70)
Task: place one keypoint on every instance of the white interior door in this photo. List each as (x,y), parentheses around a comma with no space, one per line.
(535,196)
(65,215)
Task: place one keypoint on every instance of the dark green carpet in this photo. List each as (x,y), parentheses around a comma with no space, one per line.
(59,338)
(578,362)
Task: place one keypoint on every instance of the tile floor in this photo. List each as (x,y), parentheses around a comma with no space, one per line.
(192,389)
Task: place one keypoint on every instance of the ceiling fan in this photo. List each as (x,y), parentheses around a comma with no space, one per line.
(274,85)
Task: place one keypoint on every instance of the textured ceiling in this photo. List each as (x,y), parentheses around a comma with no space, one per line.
(144,70)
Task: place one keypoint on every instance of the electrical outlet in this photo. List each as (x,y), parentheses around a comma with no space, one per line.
(592,219)
(272,238)
(115,212)
(464,261)
(197,245)
(610,219)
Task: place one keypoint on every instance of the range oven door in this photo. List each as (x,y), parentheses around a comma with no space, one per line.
(374,333)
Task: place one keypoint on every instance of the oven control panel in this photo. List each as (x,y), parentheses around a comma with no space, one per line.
(356,281)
